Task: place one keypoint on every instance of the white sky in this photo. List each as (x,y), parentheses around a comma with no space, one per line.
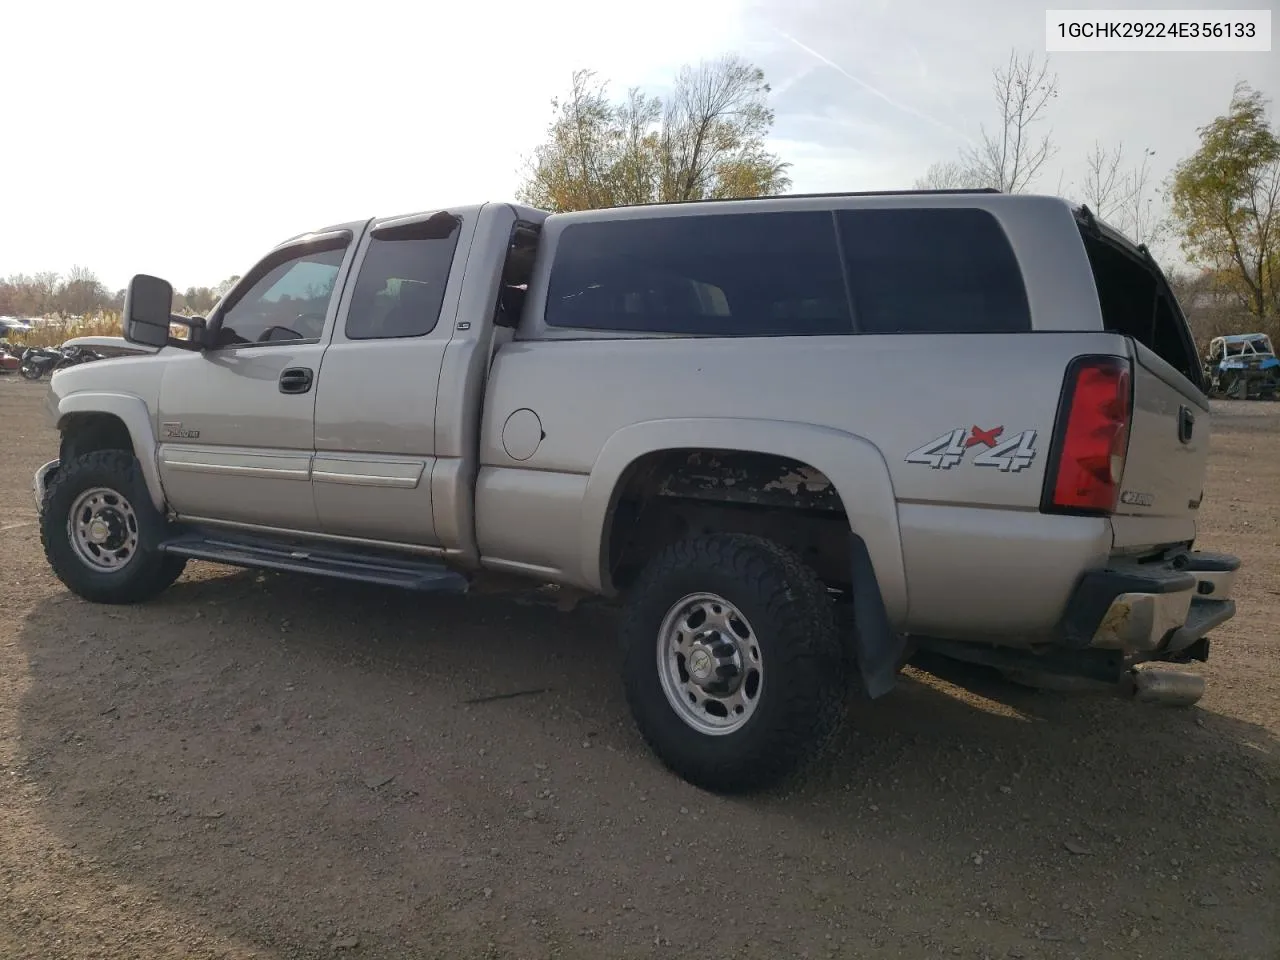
(185,139)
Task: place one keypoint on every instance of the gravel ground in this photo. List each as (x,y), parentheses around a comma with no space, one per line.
(275,767)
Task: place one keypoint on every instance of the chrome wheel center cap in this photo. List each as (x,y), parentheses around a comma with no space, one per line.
(99,530)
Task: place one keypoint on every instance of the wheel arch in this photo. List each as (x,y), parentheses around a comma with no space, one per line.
(854,466)
(105,421)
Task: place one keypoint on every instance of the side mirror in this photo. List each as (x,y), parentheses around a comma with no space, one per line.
(147,317)
(147,304)
(190,333)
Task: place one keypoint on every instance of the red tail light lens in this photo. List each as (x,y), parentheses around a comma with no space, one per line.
(1094,435)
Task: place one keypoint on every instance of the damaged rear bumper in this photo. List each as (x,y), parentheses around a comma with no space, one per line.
(1152,611)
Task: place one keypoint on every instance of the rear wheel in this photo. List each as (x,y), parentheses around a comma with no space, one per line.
(32,371)
(732,661)
(101,532)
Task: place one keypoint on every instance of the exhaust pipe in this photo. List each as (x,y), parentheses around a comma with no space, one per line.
(1169,688)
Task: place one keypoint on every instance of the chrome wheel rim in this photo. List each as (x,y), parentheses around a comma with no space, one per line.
(709,663)
(103,529)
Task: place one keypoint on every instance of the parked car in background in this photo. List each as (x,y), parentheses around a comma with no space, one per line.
(10,360)
(13,326)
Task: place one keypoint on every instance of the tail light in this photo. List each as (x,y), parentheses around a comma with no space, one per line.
(1092,437)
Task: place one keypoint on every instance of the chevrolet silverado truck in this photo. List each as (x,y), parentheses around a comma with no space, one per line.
(799,439)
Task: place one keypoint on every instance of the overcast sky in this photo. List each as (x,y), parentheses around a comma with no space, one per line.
(185,139)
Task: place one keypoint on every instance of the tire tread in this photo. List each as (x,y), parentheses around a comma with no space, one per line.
(149,573)
(805,665)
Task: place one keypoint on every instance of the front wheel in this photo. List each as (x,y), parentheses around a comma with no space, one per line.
(32,371)
(732,661)
(101,532)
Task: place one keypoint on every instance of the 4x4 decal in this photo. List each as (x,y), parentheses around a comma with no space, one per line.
(1007,454)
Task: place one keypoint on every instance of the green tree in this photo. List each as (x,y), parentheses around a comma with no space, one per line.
(1226,203)
(707,140)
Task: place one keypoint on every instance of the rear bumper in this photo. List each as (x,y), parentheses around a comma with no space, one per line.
(1157,611)
(40,481)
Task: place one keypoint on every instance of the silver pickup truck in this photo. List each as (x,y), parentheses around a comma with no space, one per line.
(800,439)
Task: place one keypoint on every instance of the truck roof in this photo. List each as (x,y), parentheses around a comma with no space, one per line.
(988,195)
(988,198)
(462,210)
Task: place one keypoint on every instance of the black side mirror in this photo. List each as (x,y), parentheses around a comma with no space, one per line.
(147,317)
(147,304)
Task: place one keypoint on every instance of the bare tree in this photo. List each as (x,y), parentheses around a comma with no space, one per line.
(1143,217)
(1011,157)
(81,294)
(1124,196)
(45,293)
(1104,182)
(950,175)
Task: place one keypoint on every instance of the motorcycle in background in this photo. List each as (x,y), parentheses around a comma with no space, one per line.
(37,361)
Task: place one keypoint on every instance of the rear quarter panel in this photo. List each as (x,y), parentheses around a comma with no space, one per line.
(977,553)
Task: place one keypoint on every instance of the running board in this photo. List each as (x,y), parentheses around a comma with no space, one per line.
(407,573)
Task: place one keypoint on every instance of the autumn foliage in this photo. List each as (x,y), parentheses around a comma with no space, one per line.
(1226,203)
(706,140)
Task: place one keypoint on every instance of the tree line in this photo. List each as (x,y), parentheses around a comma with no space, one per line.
(708,138)
(79,293)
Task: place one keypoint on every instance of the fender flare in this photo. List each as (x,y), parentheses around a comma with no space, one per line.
(853,464)
(133,413)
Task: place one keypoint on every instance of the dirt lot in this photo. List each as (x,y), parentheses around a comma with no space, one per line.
(275,767)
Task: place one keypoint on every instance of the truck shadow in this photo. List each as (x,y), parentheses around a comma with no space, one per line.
(310,761)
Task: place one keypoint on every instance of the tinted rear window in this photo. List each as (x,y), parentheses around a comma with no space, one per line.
(941,270)
(735,275)
(1137,303)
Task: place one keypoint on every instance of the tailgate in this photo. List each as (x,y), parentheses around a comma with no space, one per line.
(1163,477)
(1164,470)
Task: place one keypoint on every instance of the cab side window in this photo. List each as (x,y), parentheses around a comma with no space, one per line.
(932,270)
(287,302)
(741,274)
(402,279)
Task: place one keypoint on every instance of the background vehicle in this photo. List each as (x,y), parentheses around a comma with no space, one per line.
(12,326)
(1243,366)
(107,347)
(10,353)
(38,361)
(685,407)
